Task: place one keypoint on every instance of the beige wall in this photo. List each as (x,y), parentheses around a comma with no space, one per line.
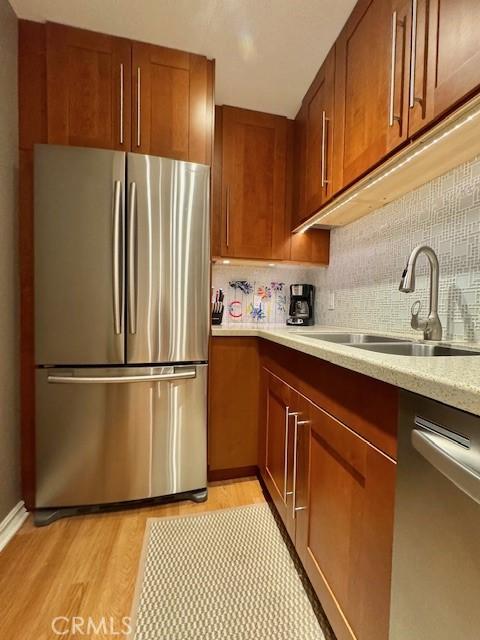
(9,374)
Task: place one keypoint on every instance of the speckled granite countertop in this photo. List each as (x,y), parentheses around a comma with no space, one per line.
(453,380)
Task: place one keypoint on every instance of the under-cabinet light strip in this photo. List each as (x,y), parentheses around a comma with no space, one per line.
(421,148)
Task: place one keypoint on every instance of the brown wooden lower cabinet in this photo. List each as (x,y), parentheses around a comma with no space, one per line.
(234,386)
(326,447)
(335,494)
(344,524)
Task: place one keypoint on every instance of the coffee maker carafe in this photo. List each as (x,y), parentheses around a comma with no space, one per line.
(301,310)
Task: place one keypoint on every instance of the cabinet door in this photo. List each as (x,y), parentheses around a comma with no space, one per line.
(88,88)
(344,532)
(233,407)
(277,465)
(254,221)
(453,53)
(419,103)
(318,105)
(370,75)
(172,111)
(299,167)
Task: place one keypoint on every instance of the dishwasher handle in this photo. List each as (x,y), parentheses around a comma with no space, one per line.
(463,469)
(157,377)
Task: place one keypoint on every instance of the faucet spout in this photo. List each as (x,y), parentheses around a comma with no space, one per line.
(432,327)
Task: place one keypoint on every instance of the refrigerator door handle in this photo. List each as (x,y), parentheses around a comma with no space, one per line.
(132,259)
(160,377)
(117,266)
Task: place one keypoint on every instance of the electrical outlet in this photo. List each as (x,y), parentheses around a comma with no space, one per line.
(331,300)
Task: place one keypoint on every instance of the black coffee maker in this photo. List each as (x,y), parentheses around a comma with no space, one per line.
(302,297)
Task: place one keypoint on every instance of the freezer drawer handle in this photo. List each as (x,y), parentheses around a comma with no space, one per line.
(451,460)
(160,377)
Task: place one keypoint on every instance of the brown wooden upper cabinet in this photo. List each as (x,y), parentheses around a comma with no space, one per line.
(317,115)
(444,58)
(253,180)
(253,198)
(453,62)
(172,110)
(313,145)
(88,88)
(372,58)
(399,66)
(112,93)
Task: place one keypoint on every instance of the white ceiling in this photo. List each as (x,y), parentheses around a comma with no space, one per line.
(267,51)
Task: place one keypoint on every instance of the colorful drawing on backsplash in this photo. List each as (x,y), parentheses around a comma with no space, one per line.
(235,309)
(252,301)
(244,286)
(281,300)
(256,312)
(264,292)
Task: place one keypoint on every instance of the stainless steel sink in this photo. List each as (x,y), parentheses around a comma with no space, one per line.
(350,338)
(416,349)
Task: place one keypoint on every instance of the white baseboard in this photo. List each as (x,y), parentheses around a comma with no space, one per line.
(12,523)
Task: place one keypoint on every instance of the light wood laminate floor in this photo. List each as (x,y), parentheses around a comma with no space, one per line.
(87,565)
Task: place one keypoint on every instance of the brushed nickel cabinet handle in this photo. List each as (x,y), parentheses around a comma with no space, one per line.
(324,150)
(116,261)
(298,423)
(139,87)
(121,103)
(413,58)
(392,118)
(288,414)
(227,217)
(285,453)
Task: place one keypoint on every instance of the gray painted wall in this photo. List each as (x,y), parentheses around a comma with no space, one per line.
(9,358)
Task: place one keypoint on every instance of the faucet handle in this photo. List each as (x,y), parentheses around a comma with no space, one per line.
(415,323)
(416,308)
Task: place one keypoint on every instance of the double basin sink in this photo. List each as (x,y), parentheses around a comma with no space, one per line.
(388,345)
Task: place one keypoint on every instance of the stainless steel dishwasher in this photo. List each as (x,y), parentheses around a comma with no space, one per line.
(436,552)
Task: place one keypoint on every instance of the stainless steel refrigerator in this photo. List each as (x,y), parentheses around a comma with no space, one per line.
(121,326)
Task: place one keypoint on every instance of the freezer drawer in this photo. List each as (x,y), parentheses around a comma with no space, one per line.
(112,435)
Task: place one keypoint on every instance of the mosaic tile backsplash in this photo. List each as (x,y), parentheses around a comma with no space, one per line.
(258,294)
(367,258)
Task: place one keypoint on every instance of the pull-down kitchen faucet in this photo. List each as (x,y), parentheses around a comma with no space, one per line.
(431,326)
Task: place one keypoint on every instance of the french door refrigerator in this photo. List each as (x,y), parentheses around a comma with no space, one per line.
(121,327)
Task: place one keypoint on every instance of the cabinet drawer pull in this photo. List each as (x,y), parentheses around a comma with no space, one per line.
(121,102)
(139,86)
